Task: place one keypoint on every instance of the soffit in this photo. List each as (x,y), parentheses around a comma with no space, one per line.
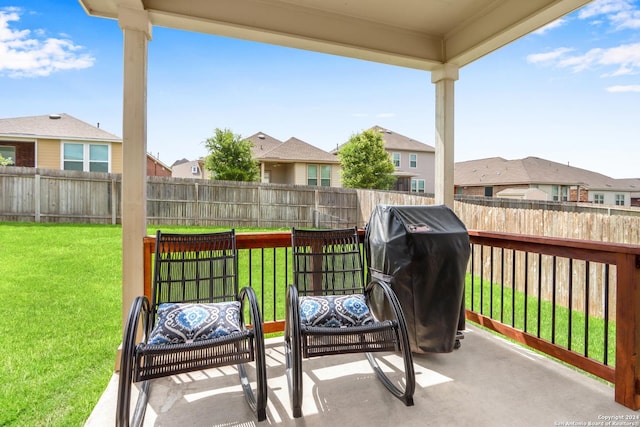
(412,33)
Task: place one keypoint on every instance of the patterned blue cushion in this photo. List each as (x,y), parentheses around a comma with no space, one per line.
(185,323)
(335,311)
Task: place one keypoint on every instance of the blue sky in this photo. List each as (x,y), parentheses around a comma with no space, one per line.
(569,93)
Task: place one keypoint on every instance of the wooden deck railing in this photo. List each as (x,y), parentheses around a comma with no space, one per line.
(617,260)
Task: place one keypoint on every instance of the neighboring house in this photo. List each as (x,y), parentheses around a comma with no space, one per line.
(634,184)
(414,162)
(294,162)
(190,169)
(498,177)
(156,168)
(60,141)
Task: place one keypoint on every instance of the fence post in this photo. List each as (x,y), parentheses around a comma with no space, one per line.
(196,208)
(114,202)
(627,330)
(36,196)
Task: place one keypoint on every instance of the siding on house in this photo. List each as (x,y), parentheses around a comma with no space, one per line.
(48,155)
(49,133)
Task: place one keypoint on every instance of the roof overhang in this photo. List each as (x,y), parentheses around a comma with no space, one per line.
(421,34)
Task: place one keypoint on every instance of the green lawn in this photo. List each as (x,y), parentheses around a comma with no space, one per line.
(60,287)
(504,301)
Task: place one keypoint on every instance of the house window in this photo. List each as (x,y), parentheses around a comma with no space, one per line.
(413,160)
(8,152)
(619,199)
(195,169)
(488,191)
(324,179)
(312,175)
(85,157)
(325,175)
(598,198)
(417,185)
(560,193)
(396,160)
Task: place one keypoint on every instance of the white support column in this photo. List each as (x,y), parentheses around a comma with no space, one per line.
(444,79)
(136,28)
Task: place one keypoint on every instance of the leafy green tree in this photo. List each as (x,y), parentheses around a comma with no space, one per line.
(365,163)
(6,161)
(230,157)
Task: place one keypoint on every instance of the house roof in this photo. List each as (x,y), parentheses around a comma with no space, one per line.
(295,150)
(54,126)
(396,141)
(534,170)
(262,143)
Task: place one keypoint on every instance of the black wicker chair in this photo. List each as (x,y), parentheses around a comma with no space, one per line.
(328,313)
(195,320)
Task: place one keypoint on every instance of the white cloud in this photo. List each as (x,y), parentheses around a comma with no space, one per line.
(627,88)
(385,115)
(24,53)
(624,59)
(553,25)
(604,7)
(622,14)
(548,56)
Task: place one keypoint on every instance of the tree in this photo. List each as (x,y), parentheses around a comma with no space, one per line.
(8,161)
(230,157)
(365,163)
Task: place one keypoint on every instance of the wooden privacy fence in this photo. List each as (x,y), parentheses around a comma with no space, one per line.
(38,195)
(246,204)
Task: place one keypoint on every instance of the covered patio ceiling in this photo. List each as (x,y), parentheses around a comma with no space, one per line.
(422,34)
(439,36)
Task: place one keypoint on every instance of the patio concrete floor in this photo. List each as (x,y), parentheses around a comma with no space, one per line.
(487,382)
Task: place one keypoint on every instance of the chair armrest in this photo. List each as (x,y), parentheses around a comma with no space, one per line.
(390,300)
(248,295)
(139,307)
(292,313)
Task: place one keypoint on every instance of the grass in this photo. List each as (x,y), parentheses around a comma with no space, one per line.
(556,331)
(60,288)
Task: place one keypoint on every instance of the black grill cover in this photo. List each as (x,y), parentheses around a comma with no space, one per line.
(423,252)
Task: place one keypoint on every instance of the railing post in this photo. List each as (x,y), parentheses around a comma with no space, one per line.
(627,330)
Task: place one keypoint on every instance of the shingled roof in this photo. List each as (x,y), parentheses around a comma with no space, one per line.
(54,126)
(398,142)
(262,143)
(295,150)
(534,170)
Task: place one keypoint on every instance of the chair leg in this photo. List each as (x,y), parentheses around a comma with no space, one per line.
(256,399)
(294,375)
(127,363)
(124,401)
(405,393)
(293,353)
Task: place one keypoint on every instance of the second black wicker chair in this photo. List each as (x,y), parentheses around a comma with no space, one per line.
(196,319)
(328,311)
